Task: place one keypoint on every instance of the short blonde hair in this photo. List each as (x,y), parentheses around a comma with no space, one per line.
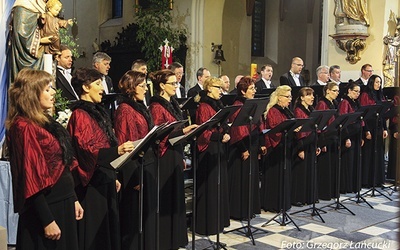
(212,81)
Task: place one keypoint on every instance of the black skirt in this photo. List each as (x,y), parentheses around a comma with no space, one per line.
(207,191)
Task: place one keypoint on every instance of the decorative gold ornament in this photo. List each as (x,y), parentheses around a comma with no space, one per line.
(352,45)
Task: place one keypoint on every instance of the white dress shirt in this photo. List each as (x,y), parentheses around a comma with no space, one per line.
(296,78)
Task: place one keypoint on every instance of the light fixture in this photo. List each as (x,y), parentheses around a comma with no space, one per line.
(219,55)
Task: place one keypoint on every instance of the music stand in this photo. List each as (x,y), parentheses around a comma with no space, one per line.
(192,136)
(367,112)
(160,135)
(188,104)
(285,128)
(319,119)
(266,91)
(228,99)
(318,92)
(383,107)
(220,117)
(338,125)
(390,92)
(140,149)
(249,114)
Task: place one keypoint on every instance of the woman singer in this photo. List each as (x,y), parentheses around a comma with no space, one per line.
(95,146)
(133,122)
(328,159)
(352,144)
(164,108)
(41,158)
(240,155)
(211,145)
(373,171)
(272,194)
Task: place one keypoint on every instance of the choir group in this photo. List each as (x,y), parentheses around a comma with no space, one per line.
(69,196)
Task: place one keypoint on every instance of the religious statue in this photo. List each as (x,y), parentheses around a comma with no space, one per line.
(50,25)
(392,53)
(25,38)
(351,12)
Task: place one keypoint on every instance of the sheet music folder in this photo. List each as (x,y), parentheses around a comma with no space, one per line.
(157,132)
(189,103)
(319,117)
(228,99)
(219,117)
(251,108)
(340,122)
(141,145)
(195,132)
(369,112)
(285,125)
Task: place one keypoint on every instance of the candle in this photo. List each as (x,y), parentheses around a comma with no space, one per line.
(253,70)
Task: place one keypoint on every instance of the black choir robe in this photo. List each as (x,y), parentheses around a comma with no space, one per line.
(350,156)
(238,170)
(132,122)
(273,174)
(173,233)
(373,166)
(210,147)
(43,186)
(95,147)
(327,161)
(302,187)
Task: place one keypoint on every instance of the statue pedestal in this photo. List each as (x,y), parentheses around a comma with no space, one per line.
(356,29)
(351,39)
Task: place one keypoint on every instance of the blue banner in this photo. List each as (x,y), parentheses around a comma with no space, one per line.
(5,9)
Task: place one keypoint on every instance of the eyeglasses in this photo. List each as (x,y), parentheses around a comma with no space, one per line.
(175,84)
(218,87)
(287,96)
(369,71)
(253,88)
(179,74)
(143,86)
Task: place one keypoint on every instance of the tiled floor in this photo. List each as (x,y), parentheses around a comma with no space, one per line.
(376,228)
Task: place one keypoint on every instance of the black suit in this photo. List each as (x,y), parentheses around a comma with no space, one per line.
(260,85)
(110,85)
(182,90)
(287,79)
(109,103)
(233,91)
(317,84)
(194,91)
(361,84)
(63,84)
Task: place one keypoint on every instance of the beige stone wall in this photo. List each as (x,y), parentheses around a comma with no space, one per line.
(373,54)
(226,22)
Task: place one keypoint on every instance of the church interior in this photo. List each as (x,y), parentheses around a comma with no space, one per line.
(238,37)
